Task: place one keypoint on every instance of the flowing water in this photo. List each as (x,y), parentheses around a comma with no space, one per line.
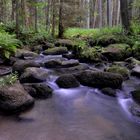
(75,114)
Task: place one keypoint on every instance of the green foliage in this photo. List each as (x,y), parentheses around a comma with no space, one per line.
(136,50)
(135,27)
(9,79)
(91,54)
(8,44)
(91,33)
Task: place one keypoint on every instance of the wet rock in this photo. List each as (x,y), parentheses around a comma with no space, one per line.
(52,64)
(5,70)
(69,63)
(120,70)
(136,71)
(61,64)
(135,110)
(136,95)
(69,56)
(131,62)
(25,54)
(100,79)
(33,75)
(38,90)
(74,69)
(56,51)
(14,98)
(109,91)
(47,45)
(64,43)
(67,81)
(117,52)
(20,65)
(37,49)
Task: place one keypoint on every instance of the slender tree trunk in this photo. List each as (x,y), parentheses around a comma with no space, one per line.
(36,17)
(125,16)
(17,18)
(61,27)
(53,17)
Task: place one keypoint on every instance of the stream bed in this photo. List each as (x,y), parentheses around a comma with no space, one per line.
(81,113)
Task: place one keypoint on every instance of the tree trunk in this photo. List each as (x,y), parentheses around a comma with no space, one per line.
(125,16)
(60,28)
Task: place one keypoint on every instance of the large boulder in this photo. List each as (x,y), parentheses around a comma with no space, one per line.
(120,70)
(61,64)
(64,43)
(38,90)
(136,95)
(56,51)
(25,54)
(117,52)
(20,65)
(99,79)
(14,98)
(67,81)
(33,75)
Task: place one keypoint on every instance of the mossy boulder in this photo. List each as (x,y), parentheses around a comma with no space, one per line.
(99,79)
(90,55)
(120,70)
(107,39)
(56,51)
(117,52)
(25,54)
(64,43)
(67,81)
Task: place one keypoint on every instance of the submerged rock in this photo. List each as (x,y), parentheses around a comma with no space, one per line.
(136,95)
(38,90)
(14,98)
(33,75)
(67,81)
(100,79)
(109,91)
(56,51)
(135,110)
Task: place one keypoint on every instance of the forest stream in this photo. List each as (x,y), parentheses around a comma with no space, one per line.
(81,113)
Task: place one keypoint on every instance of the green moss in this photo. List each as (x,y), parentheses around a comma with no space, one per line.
(120,70)
(56,51)
(121,50)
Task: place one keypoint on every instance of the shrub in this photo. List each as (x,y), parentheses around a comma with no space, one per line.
(8,44)
(9,79)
